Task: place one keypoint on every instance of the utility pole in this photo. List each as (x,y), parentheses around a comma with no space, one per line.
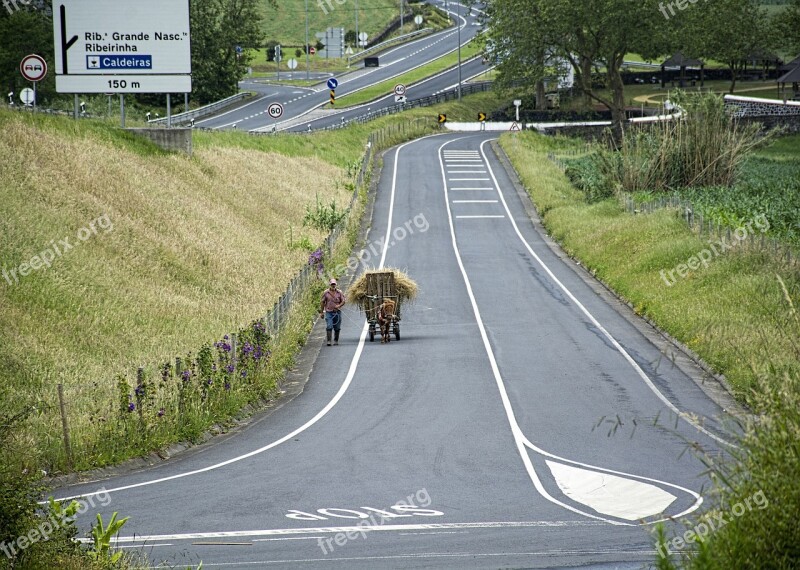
(458,23)
(357,40)
(401,16)
(307,47)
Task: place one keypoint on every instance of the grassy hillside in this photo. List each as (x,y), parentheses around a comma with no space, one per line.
(183,249)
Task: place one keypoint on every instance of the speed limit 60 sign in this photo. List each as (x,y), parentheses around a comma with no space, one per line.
(275,110)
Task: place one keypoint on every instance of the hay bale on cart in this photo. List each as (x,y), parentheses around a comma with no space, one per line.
(373,287)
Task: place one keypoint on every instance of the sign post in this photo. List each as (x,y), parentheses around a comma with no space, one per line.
(116,46)
(33,68)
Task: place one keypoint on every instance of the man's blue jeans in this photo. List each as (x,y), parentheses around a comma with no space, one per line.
(333,320)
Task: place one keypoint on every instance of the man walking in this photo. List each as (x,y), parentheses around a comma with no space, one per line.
(332,302)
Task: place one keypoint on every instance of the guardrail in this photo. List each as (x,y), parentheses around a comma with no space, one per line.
(202,111)
(380,46)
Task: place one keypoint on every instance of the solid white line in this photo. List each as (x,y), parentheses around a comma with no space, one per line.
(287,538)
(472,189)
(143,545)
(328,407)
(594,321)
(283,532)
(466,171)
(474,201)
(474,217)
(512,421)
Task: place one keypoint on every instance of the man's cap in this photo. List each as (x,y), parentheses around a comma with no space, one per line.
(333,282)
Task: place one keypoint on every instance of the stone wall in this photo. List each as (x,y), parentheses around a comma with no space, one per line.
(178,140)
(753,107)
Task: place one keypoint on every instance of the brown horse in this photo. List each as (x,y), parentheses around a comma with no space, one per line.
(386,318)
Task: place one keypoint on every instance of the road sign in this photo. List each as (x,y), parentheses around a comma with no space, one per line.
(333,97)
(312,50)
(27,96)
(442,118)
(348,50)
(363,36)
(400,98)
(514,127)
(481,117)
(122,47)
(418,19)
(399,89)
(292,63)
(33,67)
(333,83)
(275,110)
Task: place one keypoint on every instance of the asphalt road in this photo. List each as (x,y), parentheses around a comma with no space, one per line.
(297,102)
(470,443)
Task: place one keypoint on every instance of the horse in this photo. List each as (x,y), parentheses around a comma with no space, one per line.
(385,319)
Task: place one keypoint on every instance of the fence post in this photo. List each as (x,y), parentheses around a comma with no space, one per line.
(139,394)
(64,426)
(233,352)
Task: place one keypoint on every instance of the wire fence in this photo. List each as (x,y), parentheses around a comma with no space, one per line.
(202,385)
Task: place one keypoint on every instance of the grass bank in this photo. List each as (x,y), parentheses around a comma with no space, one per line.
(731,313)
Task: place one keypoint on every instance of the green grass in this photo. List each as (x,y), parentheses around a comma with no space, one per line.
(408,79)
(727,313)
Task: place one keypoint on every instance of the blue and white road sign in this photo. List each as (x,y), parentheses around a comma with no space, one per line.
(333,83)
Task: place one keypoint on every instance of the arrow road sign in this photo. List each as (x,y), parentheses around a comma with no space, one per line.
(442,118)
(400,98)
(33,67)
(399,89)
(481,117)
(333,83)
(275,110)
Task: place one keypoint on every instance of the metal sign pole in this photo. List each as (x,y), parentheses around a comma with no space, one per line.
(307,46)
(75,108)
(122,109)
(169,110)
(34,96)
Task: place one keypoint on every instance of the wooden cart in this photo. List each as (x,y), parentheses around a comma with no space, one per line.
(381,286)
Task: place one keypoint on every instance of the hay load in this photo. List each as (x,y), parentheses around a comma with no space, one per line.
(404,287)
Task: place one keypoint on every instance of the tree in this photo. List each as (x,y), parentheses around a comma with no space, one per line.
(728,31)
(218,28)
(28,30)
(532,39)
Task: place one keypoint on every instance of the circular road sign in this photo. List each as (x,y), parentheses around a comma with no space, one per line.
(418,19)
(333,83)
(399,89)
(292,63)
(33,67)
(275,110)
(312,50)
(363,36)
(27,96)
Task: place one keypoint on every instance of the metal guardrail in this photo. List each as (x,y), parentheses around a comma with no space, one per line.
(202,111)
(380,46)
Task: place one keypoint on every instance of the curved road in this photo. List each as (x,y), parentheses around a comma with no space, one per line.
(299,101)
(470,443)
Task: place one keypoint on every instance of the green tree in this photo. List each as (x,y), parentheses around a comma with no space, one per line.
(531,39)
(28,30)
(218,28)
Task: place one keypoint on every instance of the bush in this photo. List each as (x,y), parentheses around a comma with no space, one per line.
(759,480)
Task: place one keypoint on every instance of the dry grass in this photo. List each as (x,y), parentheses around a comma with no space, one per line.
(197,249)
(405,286)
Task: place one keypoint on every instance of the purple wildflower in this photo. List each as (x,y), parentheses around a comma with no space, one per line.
(229,368)
(139,391)
(227,385)
(247,348)
(161,412)
(186,374)
(131,407)
(244,373)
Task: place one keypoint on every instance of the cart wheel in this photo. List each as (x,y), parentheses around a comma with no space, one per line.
(397,331)
(372,333)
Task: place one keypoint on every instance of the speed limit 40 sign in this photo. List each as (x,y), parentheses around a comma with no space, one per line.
(275,110)
(399,89)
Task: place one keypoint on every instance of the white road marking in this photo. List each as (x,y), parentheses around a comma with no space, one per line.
(519,438)
(468,217)
(467,179)
(610,494)
(466,172)
(462,189)
(143,545)
(328,407)
(474,201)
(285,532)
(595,322)
(287,538)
